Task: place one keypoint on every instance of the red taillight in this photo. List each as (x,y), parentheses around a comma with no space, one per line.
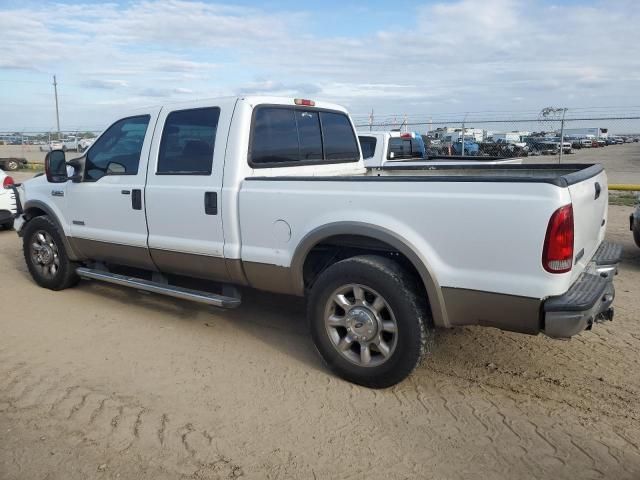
(7,181)
(557,254)
(406,135)
(305,102)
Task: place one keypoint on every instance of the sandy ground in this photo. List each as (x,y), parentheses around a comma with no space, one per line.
(103,382)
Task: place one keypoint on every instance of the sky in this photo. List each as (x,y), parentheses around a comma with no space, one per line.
(395,57)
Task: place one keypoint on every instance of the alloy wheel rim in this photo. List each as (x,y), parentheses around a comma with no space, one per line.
(361,325)
(44,254)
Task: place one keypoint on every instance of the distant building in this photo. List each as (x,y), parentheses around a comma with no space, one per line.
(594,132)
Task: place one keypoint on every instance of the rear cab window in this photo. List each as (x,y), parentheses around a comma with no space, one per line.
(405,148)
(187,143)
(289,136)
(368,146)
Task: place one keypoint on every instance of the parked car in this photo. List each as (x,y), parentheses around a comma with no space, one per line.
(542,146)
(273,194)
(378,147)
(53,145)
(7,201)
(85,143)
(471,148)
(504,149)
(12,164)
(586,143)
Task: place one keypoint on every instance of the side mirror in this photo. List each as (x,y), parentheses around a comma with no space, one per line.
(392,155)
(55,167)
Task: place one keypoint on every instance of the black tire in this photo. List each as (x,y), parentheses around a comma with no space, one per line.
(408,306)
(7,225)
(636,231)
(65,275)
(11,165)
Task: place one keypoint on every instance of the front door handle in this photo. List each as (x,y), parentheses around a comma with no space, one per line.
(211,203)
(136,199)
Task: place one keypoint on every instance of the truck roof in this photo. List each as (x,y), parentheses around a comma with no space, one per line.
(255,100)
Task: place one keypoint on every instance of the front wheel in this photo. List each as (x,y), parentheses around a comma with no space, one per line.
(46,256)
(368,321)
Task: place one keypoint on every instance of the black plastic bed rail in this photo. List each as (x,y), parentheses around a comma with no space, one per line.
(573,173)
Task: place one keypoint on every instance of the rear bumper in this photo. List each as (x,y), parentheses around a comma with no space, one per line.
(589,299)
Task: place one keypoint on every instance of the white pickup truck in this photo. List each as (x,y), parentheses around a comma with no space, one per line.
(194,200)
(387,149)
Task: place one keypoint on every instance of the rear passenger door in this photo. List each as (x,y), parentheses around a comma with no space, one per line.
(183,191)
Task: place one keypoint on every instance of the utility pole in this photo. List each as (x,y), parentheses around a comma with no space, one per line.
(564,111)
(463,131)
(548,112)
(55,92)
(371,120)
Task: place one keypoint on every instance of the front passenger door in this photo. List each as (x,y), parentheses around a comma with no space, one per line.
(107,208)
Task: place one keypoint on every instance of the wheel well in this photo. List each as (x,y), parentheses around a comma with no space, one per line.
(33,212)
(338,247)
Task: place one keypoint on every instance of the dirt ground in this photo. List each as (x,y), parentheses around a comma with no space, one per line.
(100,382)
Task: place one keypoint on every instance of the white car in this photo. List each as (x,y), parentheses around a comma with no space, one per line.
(272,193)
(85,143)
(7,201)
(53,145)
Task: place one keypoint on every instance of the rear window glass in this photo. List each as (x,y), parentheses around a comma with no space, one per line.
(339,140)
(405,148)
(368,146)
(187,142)
(290,136)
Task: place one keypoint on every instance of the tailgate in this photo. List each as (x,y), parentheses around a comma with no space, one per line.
(590,199)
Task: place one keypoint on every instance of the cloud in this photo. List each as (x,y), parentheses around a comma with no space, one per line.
(104,84)
(278,88)
(467,53)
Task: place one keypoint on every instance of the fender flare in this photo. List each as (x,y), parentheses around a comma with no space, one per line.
(72,252)
(382,234)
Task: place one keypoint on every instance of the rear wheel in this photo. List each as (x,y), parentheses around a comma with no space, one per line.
(45,255)
(636,231)
(12,165)
(367,320)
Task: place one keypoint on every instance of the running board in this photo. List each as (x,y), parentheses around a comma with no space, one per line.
(161,288)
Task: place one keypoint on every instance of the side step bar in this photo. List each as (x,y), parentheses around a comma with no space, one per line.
(161,288)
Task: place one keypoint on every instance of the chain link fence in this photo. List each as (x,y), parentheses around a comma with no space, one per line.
(551,132)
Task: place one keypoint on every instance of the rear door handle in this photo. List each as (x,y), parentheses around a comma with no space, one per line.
(211,203)
(136,199)
(598,189)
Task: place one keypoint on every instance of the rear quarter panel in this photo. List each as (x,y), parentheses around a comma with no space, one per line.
(480,236)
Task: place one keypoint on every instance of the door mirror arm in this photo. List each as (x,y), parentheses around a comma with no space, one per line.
(77,164)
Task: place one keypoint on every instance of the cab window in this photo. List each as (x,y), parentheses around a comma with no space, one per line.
(287,136)
(187,143)
(368,146)
(118,150)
